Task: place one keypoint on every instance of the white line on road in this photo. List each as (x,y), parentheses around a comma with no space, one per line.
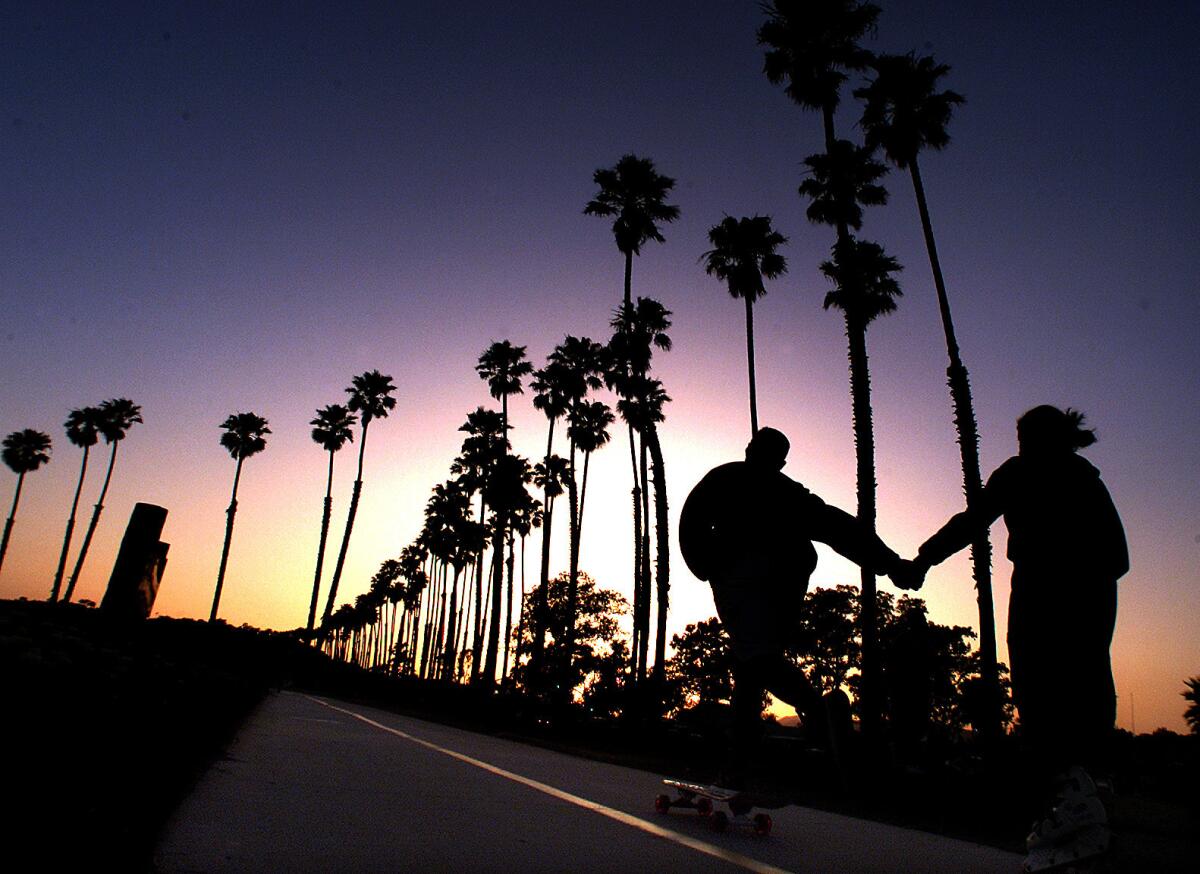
(619,815)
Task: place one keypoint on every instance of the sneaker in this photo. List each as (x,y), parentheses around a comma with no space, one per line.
(1073,814)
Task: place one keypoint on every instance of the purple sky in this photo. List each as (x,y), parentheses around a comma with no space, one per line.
(209,208)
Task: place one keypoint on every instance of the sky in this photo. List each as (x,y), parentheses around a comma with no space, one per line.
(225,207)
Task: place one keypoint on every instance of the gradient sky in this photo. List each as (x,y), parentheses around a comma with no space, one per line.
(210,208)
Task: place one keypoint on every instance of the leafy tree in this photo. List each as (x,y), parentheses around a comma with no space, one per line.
(904,113)
(23,452)
(83,429)
(592,630)
(332,428)
(743,255)
(370,397)
(702,666)
(245,435)
(1192,696)
(117,416)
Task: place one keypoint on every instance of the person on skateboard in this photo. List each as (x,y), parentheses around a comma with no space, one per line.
(747,529)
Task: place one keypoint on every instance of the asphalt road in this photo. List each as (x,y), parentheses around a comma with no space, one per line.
(318,785)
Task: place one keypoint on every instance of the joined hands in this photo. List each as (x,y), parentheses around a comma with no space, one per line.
(909,574)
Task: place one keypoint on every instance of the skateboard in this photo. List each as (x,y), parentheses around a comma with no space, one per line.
(1082,852)
(702,798)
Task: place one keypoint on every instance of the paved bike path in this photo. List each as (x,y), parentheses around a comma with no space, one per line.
(318,785)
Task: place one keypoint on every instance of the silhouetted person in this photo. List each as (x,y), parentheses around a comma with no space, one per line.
(1067,548)
(748,529)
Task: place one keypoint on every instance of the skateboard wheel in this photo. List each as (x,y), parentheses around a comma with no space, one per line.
(704,806)
(662,803)
(720,821)
(762,824)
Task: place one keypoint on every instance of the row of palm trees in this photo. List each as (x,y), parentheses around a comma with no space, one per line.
(27,450)
(811,48)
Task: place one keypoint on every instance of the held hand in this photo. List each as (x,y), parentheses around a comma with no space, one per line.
(908,575)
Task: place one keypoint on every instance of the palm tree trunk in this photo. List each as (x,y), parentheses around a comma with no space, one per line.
(477,640)
(62,558)
(452,629)
(864,447)
(325,516)
(647,596)
(96,511)
(496,593)
(750,363)
(662,568)
(572,581)
(341,559)
(229,514)
(968,444)
(539,606)
(628,280)
(508,613)
(12,517)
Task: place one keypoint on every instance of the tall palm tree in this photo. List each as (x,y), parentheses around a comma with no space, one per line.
(551,398)
(370,397)
(485,444)
(638,331)
(117,416)
(83,429)
(841,182)
(644,409)
(810,46)
(904,113)
(24,452)
(863,290)
(332,428)
(502,366)
(743,255)
(245,435)
(634,195)
(587,431)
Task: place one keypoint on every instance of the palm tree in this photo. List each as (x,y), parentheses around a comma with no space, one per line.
(24,452)
(841,183)
(370,397)
(863,290)
(502,366)
(904,112)
(83,429)
(643,409)
(587,431)
(117,416)
(633,194)
(485,444)
(638,331)
(245,435)
(743,255)
(550,396)
(811,44)
(332,428)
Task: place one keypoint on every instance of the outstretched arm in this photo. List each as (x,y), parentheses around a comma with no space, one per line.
(849,537)
(962,528)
